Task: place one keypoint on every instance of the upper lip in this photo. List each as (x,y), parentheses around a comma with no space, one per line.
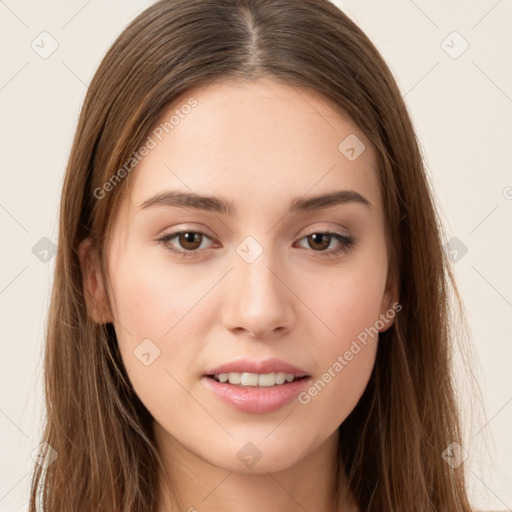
(261,367)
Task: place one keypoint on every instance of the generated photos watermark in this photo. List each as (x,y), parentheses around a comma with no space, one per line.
(149,144)
(343,360)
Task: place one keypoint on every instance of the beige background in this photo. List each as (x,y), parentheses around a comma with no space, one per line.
(461,104)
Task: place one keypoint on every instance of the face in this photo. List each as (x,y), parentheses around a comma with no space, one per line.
(260,276)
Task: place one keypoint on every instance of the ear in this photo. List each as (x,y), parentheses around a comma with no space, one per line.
(390,303)
(93,283)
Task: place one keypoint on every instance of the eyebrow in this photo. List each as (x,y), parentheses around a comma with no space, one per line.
(176,198)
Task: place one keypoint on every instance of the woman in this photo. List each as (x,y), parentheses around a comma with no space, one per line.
(250,304)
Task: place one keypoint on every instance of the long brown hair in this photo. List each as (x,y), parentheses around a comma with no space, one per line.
(391,445)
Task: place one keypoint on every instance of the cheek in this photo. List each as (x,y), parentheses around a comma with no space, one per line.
(160,326)
(152,299)
(148,307)
(346,303)
(347,306)
(345,355)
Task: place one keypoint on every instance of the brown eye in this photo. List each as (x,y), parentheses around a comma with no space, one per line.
(322,242)
(185,243)
(319,241)
(190,240)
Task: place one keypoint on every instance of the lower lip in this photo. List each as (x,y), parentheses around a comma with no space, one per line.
(256,399)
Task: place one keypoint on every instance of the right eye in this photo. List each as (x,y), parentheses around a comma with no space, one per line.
(190,241)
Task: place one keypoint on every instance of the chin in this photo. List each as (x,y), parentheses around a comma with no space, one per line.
(259,455)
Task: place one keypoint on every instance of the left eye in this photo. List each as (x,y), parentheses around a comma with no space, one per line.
(320,241)
(191,242)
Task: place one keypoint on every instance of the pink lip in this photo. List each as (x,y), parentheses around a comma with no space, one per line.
(253,399)
(266,366)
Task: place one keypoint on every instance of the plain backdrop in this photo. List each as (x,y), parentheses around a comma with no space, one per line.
(452,61)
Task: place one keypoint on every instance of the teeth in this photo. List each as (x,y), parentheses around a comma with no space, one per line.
(280,377)
(249,379)
(255,379)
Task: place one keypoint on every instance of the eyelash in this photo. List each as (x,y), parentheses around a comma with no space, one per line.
(346,243)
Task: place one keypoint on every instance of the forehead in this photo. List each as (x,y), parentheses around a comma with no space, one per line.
(256,141)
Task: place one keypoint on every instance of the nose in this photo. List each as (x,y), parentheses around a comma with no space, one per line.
(258,300)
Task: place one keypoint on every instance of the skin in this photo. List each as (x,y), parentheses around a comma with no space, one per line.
(254,143)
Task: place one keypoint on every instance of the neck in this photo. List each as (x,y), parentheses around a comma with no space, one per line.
(311,484)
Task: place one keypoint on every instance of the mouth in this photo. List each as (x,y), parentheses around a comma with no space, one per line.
(256,393)
(256,386)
